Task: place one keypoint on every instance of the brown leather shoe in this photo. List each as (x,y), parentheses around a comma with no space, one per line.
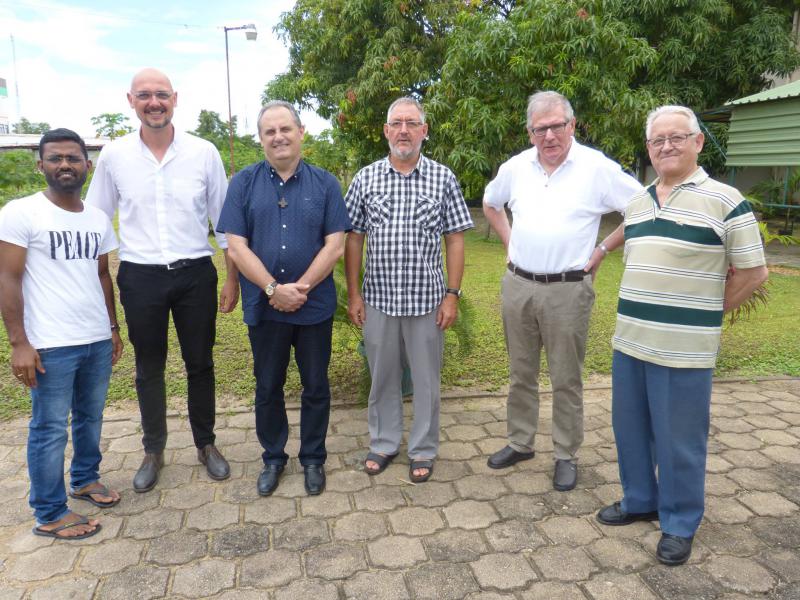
(216,465)
(147,475)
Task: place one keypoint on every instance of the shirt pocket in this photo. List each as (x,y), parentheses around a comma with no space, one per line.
(428,213)
(314,211)
(379,211)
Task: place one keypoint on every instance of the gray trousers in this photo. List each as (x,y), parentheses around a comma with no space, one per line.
(386,338)
(554,316)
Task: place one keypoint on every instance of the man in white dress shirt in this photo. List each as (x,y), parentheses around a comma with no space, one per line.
(557,192)
(166,185)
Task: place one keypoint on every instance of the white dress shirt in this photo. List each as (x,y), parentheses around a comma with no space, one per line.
(164,207)
(556,217)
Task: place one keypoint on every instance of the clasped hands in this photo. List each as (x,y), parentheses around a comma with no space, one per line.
(289,297)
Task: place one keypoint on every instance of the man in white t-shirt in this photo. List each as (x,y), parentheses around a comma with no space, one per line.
(57,301)
(557,191)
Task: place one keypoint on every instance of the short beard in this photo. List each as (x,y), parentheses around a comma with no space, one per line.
(404,154)
(54,184)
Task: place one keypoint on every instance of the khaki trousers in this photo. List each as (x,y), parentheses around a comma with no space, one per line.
(554,316)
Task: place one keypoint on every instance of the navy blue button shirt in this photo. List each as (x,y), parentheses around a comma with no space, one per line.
(285,239)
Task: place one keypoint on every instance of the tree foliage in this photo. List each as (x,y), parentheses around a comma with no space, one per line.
(26,126)
(246,150)
(111,125)
(18,175)
(474,62)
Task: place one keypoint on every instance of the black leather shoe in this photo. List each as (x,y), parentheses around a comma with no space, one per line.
(507,457)
(614,515)
(673,550)
(565,475)
(268,479)
(216,465)
(314,479)
(147,475)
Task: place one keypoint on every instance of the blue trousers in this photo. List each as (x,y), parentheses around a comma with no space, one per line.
(661,418)
(271,342)
(76,381)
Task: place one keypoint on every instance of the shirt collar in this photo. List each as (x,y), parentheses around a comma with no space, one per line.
(273,173)
(421,166)
(570,155)
(696,178)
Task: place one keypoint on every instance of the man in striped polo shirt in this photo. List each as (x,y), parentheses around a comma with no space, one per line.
(692,252)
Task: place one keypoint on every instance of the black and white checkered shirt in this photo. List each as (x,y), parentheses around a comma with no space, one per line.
(404,218)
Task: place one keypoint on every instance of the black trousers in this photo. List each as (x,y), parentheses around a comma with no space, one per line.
(271,342)
(149,294)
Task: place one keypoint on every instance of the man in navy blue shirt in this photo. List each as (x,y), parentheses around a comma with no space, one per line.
(285,222)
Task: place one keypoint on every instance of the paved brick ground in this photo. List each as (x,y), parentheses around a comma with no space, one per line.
(470,533)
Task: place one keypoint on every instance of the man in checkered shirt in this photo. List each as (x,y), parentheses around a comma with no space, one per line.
(403,204)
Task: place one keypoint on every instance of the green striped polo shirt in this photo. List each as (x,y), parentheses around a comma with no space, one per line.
(676,260)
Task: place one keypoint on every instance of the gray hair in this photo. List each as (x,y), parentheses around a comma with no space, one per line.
(546,101)
(278,104)
(406,100)
(672,109)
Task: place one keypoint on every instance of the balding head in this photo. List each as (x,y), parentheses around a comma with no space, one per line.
(153,98)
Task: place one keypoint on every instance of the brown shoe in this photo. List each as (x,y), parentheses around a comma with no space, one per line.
(216,465)
(147,475)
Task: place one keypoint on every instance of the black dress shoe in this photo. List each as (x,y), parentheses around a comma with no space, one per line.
(216,465)
(673,550)
(507,457)
(614,515)
(268,479)
(565,475)
(147,475)
(314,479)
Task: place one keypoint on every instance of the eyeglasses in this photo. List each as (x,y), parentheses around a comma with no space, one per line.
(57,159)
(540,132)
(145,96)
(676,140)
(412,125)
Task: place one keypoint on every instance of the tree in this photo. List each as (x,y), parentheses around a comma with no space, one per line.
(246,150)
(111,125)
(474,62)
(25,126)
(18,175)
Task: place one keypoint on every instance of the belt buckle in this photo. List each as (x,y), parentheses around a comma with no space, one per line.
(174,265)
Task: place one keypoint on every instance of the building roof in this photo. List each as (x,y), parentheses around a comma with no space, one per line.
(30,141)
(790,90)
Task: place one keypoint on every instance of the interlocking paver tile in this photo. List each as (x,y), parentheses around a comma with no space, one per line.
(149,582)
(44,563)
(270,569)
(777,532)
(503,571)
(329,504)
(521,506)
(270,510)
(432,493)
(768,504)
(720,485)
(614,586)
(787,592)
(112,556)
(441,581)
(448,470)
(347,481)
(577,502)
(726,510)
(239,541)
(455,545)
(204,578)
(514,535)
(176,548)
(396,551)
(786,563)
(415,521)
(681,584)
(216,515)
(783,454)
(573,531)
(619,554)
(300,535)
(307,589)
(336,561)
(75,589)
(740,574)
(729,539)
(477,487)
(551,590)
(359,526)
(381,498)
(457,450)
(191,495)
(527,482)
(564,563)
(470,514)
(775,437)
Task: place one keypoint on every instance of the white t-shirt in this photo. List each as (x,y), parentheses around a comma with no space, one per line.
(556,217)
(64,303)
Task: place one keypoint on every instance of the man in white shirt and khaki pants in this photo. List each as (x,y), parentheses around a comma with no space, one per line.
(166,185)
(557,191)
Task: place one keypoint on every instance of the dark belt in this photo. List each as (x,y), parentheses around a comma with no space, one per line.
(547,277)
(178,264)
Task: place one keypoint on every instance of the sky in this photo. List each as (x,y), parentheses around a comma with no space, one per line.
(75,60)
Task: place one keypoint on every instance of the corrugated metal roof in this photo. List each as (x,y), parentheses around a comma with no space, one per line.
(765,134)
(790,90)
(11,141)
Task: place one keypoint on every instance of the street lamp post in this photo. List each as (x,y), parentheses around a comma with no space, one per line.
(251,34)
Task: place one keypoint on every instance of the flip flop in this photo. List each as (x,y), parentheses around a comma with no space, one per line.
(87,495)
(382,460)
(420,464)
(53,533)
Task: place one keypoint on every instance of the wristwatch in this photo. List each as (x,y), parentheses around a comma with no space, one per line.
(603,248)
(456,292)
(270,289)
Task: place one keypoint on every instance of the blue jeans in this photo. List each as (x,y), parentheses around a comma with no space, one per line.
(76,379)
(661,419)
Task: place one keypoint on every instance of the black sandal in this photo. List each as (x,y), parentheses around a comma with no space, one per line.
(420,464)
(382,460)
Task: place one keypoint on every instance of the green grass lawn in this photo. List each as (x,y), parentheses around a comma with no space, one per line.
(766,344)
